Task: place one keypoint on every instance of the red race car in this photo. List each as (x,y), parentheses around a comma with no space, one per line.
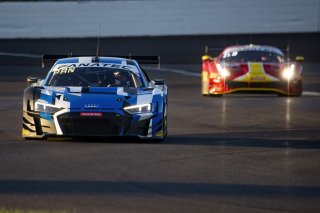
(251,68)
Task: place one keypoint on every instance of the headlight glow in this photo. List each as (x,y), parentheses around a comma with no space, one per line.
(137,109)
(288,73)
(44,107)
(223,71)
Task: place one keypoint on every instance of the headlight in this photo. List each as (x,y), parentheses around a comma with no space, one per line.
(288,73)
(223,71)
(137,109)
(44,107)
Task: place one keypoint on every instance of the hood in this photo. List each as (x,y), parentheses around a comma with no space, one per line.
(92,98)
(254,72)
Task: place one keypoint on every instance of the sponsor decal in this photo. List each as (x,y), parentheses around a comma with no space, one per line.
(257,78)
(115,66)
(91,114)
(63,69)
(69,68)
(91,106)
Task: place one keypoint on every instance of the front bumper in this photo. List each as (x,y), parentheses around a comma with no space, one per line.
(72,124)
(110,124)
(281,87)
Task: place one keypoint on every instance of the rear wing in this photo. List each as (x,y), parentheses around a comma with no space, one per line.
(208,50)
(50,59)
(286,50)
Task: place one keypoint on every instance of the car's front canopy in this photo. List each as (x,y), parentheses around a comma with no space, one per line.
(244,56)
(94,75)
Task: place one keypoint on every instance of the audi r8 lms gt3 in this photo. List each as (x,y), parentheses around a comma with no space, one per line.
(251,68)
(95,96)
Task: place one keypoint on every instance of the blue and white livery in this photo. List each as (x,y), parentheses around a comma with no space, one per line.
(95,96)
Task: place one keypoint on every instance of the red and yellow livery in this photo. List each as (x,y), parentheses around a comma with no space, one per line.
(251,68)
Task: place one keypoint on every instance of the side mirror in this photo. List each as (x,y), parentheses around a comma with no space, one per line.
(206,58)
(159,81)
(32,80)
(299,58)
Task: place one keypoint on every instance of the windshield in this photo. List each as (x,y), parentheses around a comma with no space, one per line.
(71,75)
(236,56)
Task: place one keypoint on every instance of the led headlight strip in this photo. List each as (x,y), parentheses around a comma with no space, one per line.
(141,108)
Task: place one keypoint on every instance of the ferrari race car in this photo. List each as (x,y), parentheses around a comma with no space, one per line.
(251,68)
(95,96)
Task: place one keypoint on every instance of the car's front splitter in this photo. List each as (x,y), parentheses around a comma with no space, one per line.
(283,88)
(72,124)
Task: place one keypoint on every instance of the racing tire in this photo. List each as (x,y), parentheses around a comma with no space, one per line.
(34,138)
(216,95)
(292,95)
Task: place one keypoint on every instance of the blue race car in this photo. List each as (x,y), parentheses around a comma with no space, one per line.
(95,96)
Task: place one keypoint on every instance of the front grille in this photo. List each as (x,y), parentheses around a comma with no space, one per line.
(234,84)
(139,127)
(108,125)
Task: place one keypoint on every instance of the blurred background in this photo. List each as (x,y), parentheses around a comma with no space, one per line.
(177,30)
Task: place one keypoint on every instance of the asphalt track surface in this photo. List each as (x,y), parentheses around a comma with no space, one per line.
(237,153)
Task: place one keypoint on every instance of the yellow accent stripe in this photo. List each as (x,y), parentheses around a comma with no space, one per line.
(25,132)
(159,133)
(204,75)
(253,89)
(256,74)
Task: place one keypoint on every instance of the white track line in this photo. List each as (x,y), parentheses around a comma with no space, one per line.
(310,93)
(25,55)
(182,72)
